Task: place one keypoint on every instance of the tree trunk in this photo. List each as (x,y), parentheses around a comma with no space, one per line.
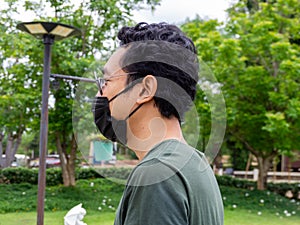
(13,142)
(1,150)
(67,163)
(264,164)
(8,157)
(72,159)
(16,144)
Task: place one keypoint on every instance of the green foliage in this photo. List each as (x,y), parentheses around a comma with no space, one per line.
(283,188)
(99,195)
(21,64)
(255,56)
(234,182)
(278,188)
(54,175)
(24,175)
(258,202)
(114,173)
(102,195)
(18,175)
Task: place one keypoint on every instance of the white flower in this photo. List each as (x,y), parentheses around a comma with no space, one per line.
(92,184)
(224,198)
(99,208)
(246,194)
(259,213)
(23,193)
(234,206)
(262,201)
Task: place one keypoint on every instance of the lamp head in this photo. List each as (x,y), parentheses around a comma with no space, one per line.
(57,30)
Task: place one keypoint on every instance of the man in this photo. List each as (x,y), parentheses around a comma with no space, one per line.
(148,85)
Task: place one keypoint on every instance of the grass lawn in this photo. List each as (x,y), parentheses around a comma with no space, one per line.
(243,217)
(54,218)
(101,197)
(232,217)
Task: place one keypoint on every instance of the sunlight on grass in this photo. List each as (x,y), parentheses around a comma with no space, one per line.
(232,217)
(243,217)
(55,218)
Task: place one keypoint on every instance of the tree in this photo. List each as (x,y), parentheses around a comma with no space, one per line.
(18,96)
(98,21)
(257,60)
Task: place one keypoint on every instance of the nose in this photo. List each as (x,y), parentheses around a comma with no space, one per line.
(99,94)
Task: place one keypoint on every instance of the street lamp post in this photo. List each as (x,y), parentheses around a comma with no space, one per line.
(48,32)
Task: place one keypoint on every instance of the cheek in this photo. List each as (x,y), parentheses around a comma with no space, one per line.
(122,106)
(109,91)
(113,88)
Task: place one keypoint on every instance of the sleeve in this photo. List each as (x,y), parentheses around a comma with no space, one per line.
(162,203)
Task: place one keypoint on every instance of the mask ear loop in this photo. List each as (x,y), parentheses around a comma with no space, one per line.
(136,109)
(126,89)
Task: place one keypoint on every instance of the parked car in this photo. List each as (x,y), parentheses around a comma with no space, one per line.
(51,161)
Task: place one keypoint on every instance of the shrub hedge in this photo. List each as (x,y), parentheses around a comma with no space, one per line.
(54,177)
(279,188)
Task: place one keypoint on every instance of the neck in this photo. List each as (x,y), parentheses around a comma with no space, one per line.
(150,131)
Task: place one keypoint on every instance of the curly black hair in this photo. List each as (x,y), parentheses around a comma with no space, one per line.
(165,52)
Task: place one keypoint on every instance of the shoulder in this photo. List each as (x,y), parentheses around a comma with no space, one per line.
(161,202)
(168,159)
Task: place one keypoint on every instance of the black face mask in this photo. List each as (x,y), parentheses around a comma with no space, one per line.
(111,128)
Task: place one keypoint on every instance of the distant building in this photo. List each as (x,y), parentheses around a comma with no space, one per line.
(290,163)
(100,152)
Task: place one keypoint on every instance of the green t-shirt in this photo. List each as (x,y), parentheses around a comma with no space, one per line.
(173,185)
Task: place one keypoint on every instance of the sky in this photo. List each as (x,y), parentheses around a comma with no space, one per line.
(172,11)
(177,11)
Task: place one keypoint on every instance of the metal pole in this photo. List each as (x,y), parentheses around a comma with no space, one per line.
(48,41)
(68,77)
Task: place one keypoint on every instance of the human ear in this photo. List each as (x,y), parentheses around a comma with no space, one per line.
(148,89)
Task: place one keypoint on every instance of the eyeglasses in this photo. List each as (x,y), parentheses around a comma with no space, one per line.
(101,82)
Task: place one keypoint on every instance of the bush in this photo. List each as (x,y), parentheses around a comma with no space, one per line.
(18,175)
(54,175)
(119,174)
(279,188)
(24,175)
(283,188)
(235,182)
(87,174)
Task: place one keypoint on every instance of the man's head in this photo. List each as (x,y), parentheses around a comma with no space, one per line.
(163,51)
(149,83)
